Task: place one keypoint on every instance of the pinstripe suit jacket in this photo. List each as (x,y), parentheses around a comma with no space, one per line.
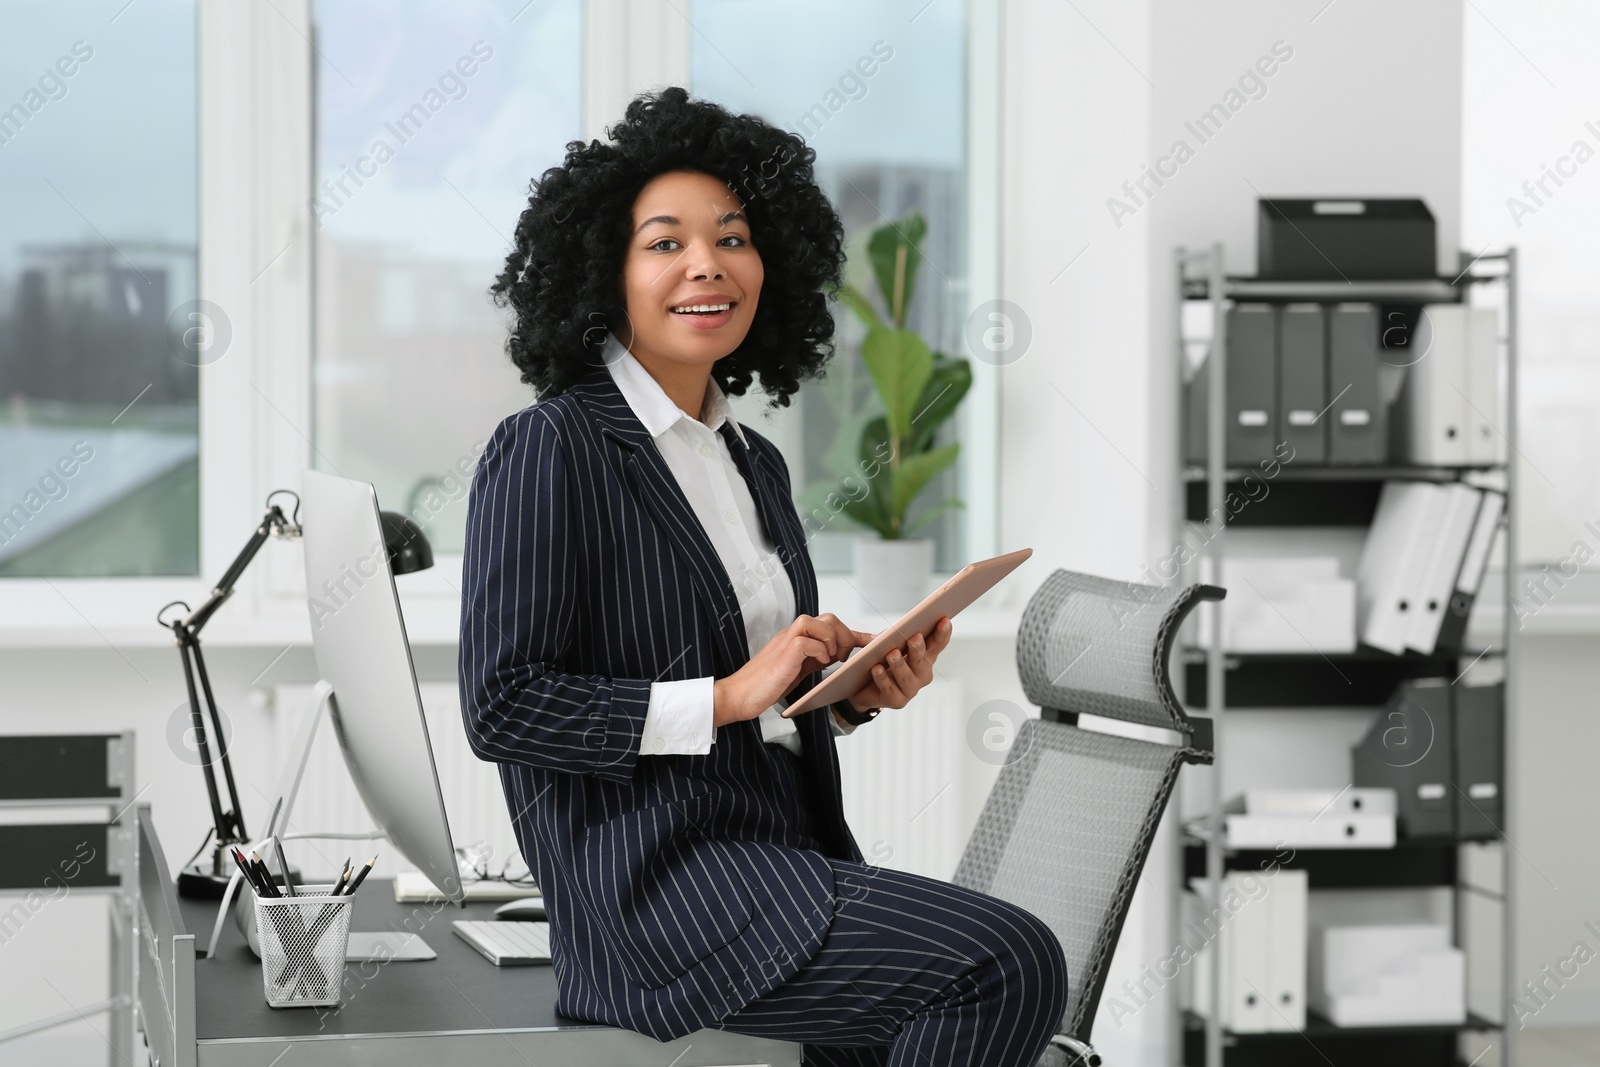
(678,887)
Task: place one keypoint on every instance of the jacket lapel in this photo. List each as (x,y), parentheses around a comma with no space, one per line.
(778,517)
(656,489)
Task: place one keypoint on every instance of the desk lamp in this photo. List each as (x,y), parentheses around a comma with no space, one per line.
(408,550)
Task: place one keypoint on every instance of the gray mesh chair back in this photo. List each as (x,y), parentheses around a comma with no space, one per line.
(1068,826)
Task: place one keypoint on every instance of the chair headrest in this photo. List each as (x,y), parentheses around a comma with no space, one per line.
(1096,646)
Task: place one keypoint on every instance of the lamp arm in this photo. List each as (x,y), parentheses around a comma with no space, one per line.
(235,815)
(273,522)
(228,824)
(189,651)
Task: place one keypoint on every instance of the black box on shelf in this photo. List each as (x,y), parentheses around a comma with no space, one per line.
(1345,240)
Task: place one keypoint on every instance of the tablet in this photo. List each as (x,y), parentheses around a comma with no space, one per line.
(967,585)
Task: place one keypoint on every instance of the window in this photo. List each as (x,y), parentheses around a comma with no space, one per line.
(428,130)
(886,142)
(101,334)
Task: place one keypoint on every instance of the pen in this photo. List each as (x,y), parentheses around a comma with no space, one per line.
(356,882)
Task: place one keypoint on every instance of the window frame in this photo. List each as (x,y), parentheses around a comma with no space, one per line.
(255,127)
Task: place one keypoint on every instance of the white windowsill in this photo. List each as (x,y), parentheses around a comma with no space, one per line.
(433,621)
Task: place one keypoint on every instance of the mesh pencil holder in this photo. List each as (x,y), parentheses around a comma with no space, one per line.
(303,941)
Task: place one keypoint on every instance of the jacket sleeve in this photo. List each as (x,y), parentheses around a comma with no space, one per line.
(518,609)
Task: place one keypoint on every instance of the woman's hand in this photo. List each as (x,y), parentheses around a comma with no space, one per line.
(907,671)
(807,644)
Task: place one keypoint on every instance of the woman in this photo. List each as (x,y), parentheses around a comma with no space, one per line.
(639,606)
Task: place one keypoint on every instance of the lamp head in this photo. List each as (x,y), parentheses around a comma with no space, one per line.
(405,542)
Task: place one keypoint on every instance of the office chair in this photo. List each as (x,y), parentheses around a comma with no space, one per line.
(46,860)
(1068,826)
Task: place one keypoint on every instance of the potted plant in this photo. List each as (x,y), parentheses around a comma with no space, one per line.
(919,390)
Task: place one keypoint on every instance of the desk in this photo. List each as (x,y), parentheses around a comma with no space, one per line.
(457,1009)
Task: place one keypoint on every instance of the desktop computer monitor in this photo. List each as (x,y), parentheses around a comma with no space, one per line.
(359,636)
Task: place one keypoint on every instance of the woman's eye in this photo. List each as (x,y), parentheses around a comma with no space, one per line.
(668,244)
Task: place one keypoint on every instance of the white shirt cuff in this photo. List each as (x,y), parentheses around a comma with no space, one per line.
(839,728)
(680,718)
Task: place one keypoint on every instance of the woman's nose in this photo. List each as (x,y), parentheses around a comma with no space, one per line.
(703,263)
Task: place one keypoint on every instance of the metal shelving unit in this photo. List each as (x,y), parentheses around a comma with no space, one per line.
(1334,496)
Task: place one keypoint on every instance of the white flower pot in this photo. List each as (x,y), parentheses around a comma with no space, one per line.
(893,576)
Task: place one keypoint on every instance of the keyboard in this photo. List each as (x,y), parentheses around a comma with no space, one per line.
(506,944)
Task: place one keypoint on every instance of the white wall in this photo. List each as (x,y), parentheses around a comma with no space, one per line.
(1076,447)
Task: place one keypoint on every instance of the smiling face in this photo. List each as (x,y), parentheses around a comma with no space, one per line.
(690,249)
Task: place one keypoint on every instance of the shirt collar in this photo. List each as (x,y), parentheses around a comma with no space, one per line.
(651,404)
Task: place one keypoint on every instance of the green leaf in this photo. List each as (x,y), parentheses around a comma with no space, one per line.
(884,249)
(856,301)
(933,513)
(863,512)
(949,383)
(913,475)
(875,443)
(901,365)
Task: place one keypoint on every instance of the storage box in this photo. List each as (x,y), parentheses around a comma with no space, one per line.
(1387,975)
(1291,604)
(1345,240)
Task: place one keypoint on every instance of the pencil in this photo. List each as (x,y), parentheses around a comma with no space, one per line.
(356,882)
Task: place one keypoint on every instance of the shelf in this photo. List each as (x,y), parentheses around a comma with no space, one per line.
(1322,1044)
(1342,499)
(1408,865)
(1400,291)
(1354,472)
(1364,678)
(1307,496)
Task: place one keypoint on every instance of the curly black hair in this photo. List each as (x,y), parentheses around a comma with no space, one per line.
(564,277)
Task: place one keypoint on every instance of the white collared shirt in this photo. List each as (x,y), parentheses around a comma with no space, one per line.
(679,720)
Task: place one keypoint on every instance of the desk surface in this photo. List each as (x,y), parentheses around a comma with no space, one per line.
(456,1008)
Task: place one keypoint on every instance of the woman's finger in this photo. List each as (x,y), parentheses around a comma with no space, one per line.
(828,629)
(805,646)
(900,668)
(921,660)
(888,692)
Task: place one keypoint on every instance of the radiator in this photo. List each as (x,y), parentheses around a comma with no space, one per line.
(901,778)
(902,783)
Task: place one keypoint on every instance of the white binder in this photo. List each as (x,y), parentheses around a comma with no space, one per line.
(1435,404)
(1332,830)
(1438,577)
(1245,940)
(1287,902)
(1485,443)
(1381,554)
(1313,803)
(1263,948)
(1399,543)
(1483,531)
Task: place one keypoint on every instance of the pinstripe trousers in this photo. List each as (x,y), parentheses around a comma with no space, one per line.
(915,971)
